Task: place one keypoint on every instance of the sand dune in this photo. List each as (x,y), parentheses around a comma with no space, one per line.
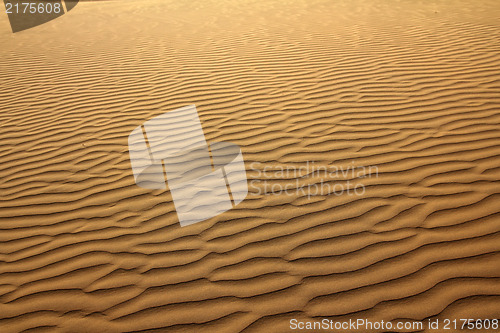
(409,88)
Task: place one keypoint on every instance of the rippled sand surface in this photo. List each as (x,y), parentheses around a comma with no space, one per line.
(409,88)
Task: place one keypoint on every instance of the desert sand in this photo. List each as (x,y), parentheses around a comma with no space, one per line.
(410,88)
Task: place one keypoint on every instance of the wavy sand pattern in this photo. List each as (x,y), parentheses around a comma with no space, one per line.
(410,87)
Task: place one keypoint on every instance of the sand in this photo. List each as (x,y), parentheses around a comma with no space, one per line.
(409,88)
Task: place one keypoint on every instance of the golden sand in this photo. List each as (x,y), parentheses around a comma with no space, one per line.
(410,87)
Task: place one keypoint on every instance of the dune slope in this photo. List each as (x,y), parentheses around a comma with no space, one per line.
(409,89)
